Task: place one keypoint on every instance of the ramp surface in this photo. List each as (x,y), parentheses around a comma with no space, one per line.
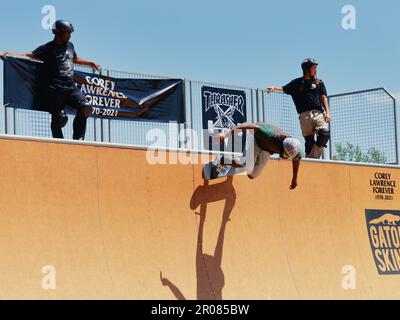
(114,226)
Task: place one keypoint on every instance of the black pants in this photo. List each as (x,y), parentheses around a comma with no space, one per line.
(58,100)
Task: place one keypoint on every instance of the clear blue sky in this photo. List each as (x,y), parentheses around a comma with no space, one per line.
(252,43)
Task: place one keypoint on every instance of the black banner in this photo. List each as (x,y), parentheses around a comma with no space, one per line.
(148,99)
(223,109)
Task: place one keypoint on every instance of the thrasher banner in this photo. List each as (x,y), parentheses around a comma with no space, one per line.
(223,109)
(148,99)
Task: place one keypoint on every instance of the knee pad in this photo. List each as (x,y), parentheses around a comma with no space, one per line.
(323,138)
(316,152)
(59,119)
(309,143)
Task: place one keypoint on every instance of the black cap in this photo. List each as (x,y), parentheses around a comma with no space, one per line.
(62,25)
(308,63)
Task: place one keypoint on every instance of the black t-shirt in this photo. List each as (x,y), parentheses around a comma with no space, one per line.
(306,94)
(58,67)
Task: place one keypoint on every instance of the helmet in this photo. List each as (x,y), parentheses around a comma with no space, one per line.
(62,25)
(291,147)
(308,63)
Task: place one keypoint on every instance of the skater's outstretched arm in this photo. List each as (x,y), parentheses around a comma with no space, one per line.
(240,126)
(296,166)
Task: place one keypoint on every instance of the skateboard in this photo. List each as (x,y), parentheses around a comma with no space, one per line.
(217,169)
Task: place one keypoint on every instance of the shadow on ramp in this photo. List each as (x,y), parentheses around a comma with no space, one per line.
(209,274)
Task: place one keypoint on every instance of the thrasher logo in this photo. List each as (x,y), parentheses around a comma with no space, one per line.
(384,235)
(225,106)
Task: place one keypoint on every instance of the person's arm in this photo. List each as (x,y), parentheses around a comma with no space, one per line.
(240,126)
(296,166)
(287,89)
(79,60)
(325,104)
(4,54)
(274,89)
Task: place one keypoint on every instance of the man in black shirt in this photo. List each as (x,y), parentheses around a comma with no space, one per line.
(59,57)
(310,97)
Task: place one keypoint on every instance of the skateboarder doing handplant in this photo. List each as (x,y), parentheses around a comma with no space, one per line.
(265,139)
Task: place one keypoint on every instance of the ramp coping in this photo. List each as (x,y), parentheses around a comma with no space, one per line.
(209,152)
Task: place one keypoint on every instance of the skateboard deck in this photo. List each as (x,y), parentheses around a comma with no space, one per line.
(213,170)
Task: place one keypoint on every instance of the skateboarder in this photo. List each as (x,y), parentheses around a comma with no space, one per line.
(59,57)
(310,97)
(263,141)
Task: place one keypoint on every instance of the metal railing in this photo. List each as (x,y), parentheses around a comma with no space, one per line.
(365,120)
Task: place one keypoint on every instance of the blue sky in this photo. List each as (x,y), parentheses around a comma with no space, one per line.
(252,43)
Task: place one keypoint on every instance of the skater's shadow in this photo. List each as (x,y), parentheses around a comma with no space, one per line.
(209,273)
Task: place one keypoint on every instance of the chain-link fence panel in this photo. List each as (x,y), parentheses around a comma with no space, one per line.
(363,127)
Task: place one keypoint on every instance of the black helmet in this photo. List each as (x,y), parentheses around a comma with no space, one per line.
(308,63)
(62,25)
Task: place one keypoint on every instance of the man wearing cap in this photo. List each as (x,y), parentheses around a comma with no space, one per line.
(263,141)
(310,97)
(58,58)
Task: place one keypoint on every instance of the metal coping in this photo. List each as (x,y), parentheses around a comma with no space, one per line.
(209,152)
(113,145)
